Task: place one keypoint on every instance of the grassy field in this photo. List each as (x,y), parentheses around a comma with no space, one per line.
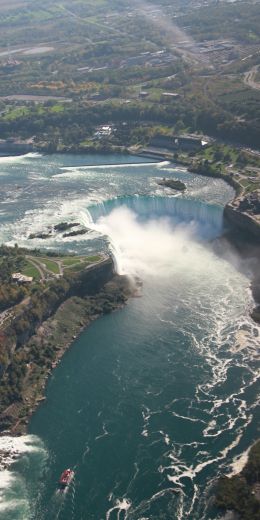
(15,113)
(31,270)
(56,265)
(80,262)
(50,265)
(67,262)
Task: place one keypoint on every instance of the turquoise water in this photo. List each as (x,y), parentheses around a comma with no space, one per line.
(153,402)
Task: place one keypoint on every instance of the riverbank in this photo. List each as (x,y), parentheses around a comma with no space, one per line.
(47,346)
(188,163)
(35,332)
(241,493)
(120,365)
(241,214)
(207,164)
(241,218)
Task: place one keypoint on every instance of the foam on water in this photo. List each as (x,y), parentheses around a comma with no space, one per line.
(120,505)
(15,489)
(92,211)
(11,487)
(232,415)
(41,220)
(224,418)
(111,166)
(239,463)
(237,418)
(91,171)
(19,158)
(11,446)
(185,361)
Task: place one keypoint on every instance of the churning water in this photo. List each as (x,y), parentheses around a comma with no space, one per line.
(153,402)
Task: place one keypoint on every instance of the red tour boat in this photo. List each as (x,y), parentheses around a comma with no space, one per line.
(66,478)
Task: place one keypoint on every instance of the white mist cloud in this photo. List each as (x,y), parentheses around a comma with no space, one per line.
(154,247)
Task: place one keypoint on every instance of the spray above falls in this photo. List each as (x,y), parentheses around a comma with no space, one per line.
(207,218)
(154,235)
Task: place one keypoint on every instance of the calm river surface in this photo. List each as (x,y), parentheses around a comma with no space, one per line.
(152,402)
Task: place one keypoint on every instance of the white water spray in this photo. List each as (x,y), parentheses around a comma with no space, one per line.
(19,158)
(14,495)
(153,248)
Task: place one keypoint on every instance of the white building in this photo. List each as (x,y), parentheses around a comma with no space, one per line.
(21,278)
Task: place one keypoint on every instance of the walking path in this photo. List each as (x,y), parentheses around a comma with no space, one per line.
(249,78)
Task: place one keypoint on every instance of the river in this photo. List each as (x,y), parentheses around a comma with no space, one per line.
(151,403)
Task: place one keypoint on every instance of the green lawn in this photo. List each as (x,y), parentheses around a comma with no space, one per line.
(15,113)
(67,262)
(244,182)
(73,263)
(50,265)
(76,267)
(83,262)
(57,108)
(92,259)
(30,270)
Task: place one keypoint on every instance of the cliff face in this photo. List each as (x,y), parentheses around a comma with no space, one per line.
(40,338)
(28,316)
(243,217)
(243,222)
(92,279)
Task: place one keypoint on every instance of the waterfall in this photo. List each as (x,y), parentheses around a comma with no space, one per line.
(178,209)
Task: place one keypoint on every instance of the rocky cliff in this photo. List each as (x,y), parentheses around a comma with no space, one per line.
(40,330)
(26,317)
(243,218)
(242,221)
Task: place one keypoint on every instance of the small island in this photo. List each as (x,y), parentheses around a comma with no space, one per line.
(67,228)
(64,226)
(76,232)
(174,184)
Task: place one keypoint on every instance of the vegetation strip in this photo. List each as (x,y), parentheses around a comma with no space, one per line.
(39,320)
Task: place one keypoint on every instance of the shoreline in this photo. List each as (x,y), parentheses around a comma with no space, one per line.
(239,493)
(248,246)
(237,221)
(117,290)
(40,329)
(76,328)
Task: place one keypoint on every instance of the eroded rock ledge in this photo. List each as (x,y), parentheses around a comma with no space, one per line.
(243,213)
(243,218)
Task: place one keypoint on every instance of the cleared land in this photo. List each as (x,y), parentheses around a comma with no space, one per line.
(42,268)
(250,78)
